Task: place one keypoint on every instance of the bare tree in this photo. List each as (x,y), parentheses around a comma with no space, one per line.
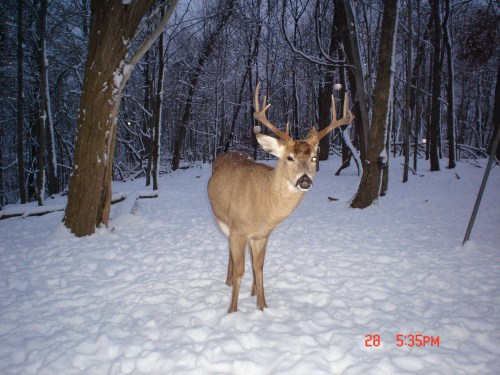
(407,118)
(20,104)
(157,111)
(450,89)
(369,186)
(436,86)
(112,33)
(496,114)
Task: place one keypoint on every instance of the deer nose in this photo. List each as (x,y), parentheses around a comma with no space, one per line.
(304,183)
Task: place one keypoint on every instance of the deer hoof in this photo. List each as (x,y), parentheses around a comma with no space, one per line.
(262,307)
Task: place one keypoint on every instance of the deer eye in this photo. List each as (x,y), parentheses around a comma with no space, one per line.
(289,158)
(314,159)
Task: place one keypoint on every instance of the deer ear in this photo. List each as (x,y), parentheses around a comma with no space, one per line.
(271,145)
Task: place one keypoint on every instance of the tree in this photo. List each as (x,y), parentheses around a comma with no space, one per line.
(369,186)
(112,33)
(436,86)
(357,81)
(496,114)
(45,108)
(20,104)
(407,118)
(157,112)
(450,89)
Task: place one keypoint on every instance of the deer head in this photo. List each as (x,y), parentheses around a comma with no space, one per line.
(297,158)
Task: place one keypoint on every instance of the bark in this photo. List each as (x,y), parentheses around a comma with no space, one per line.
(369,187)
(106,72)
(20,104)
(193,81)
(385,168)
(436,87)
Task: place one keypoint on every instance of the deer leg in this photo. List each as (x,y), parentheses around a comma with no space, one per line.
(254,285)
(258,254)
(229,278)
(237,243)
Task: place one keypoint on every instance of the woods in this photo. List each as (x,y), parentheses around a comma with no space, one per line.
(98,91)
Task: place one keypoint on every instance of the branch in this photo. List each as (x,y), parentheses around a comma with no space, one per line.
(146,45)
(326,61)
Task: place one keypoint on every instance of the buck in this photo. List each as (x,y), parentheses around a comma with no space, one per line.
(249,199)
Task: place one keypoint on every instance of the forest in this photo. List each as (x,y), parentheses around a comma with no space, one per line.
(101,91)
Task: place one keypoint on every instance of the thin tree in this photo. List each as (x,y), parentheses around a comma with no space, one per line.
(45,104)
(450,88)
(496,113)
(357,81)
(407,118)
(369,187)
(42,106)
(436,86)
(20,104)
(113,29)
(157,111)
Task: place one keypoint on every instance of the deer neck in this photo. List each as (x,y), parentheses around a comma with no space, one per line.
(284,197)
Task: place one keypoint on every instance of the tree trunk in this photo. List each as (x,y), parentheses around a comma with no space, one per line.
(147,137)
(418,121)
(407,123)
(195,75)
(106,72)
(349,32)
(42,106)
(496,114)
(369,186)
(52,186)
(326,91)
(384,186)
(20,104)
(157,116)
(436,87)
(450,95)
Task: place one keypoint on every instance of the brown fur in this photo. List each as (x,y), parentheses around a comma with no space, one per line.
(250,199)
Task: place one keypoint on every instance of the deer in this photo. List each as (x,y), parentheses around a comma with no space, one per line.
(250,199)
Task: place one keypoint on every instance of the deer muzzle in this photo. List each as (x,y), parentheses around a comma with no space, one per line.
(304,183)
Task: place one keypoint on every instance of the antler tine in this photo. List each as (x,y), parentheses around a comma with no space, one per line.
(260,115)
(347,118)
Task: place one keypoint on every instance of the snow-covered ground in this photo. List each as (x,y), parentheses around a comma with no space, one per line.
(147,295)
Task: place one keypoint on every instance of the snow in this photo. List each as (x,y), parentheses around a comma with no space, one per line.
(147,294)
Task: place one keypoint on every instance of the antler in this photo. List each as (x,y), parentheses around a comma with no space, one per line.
(260,115)
(347,118)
